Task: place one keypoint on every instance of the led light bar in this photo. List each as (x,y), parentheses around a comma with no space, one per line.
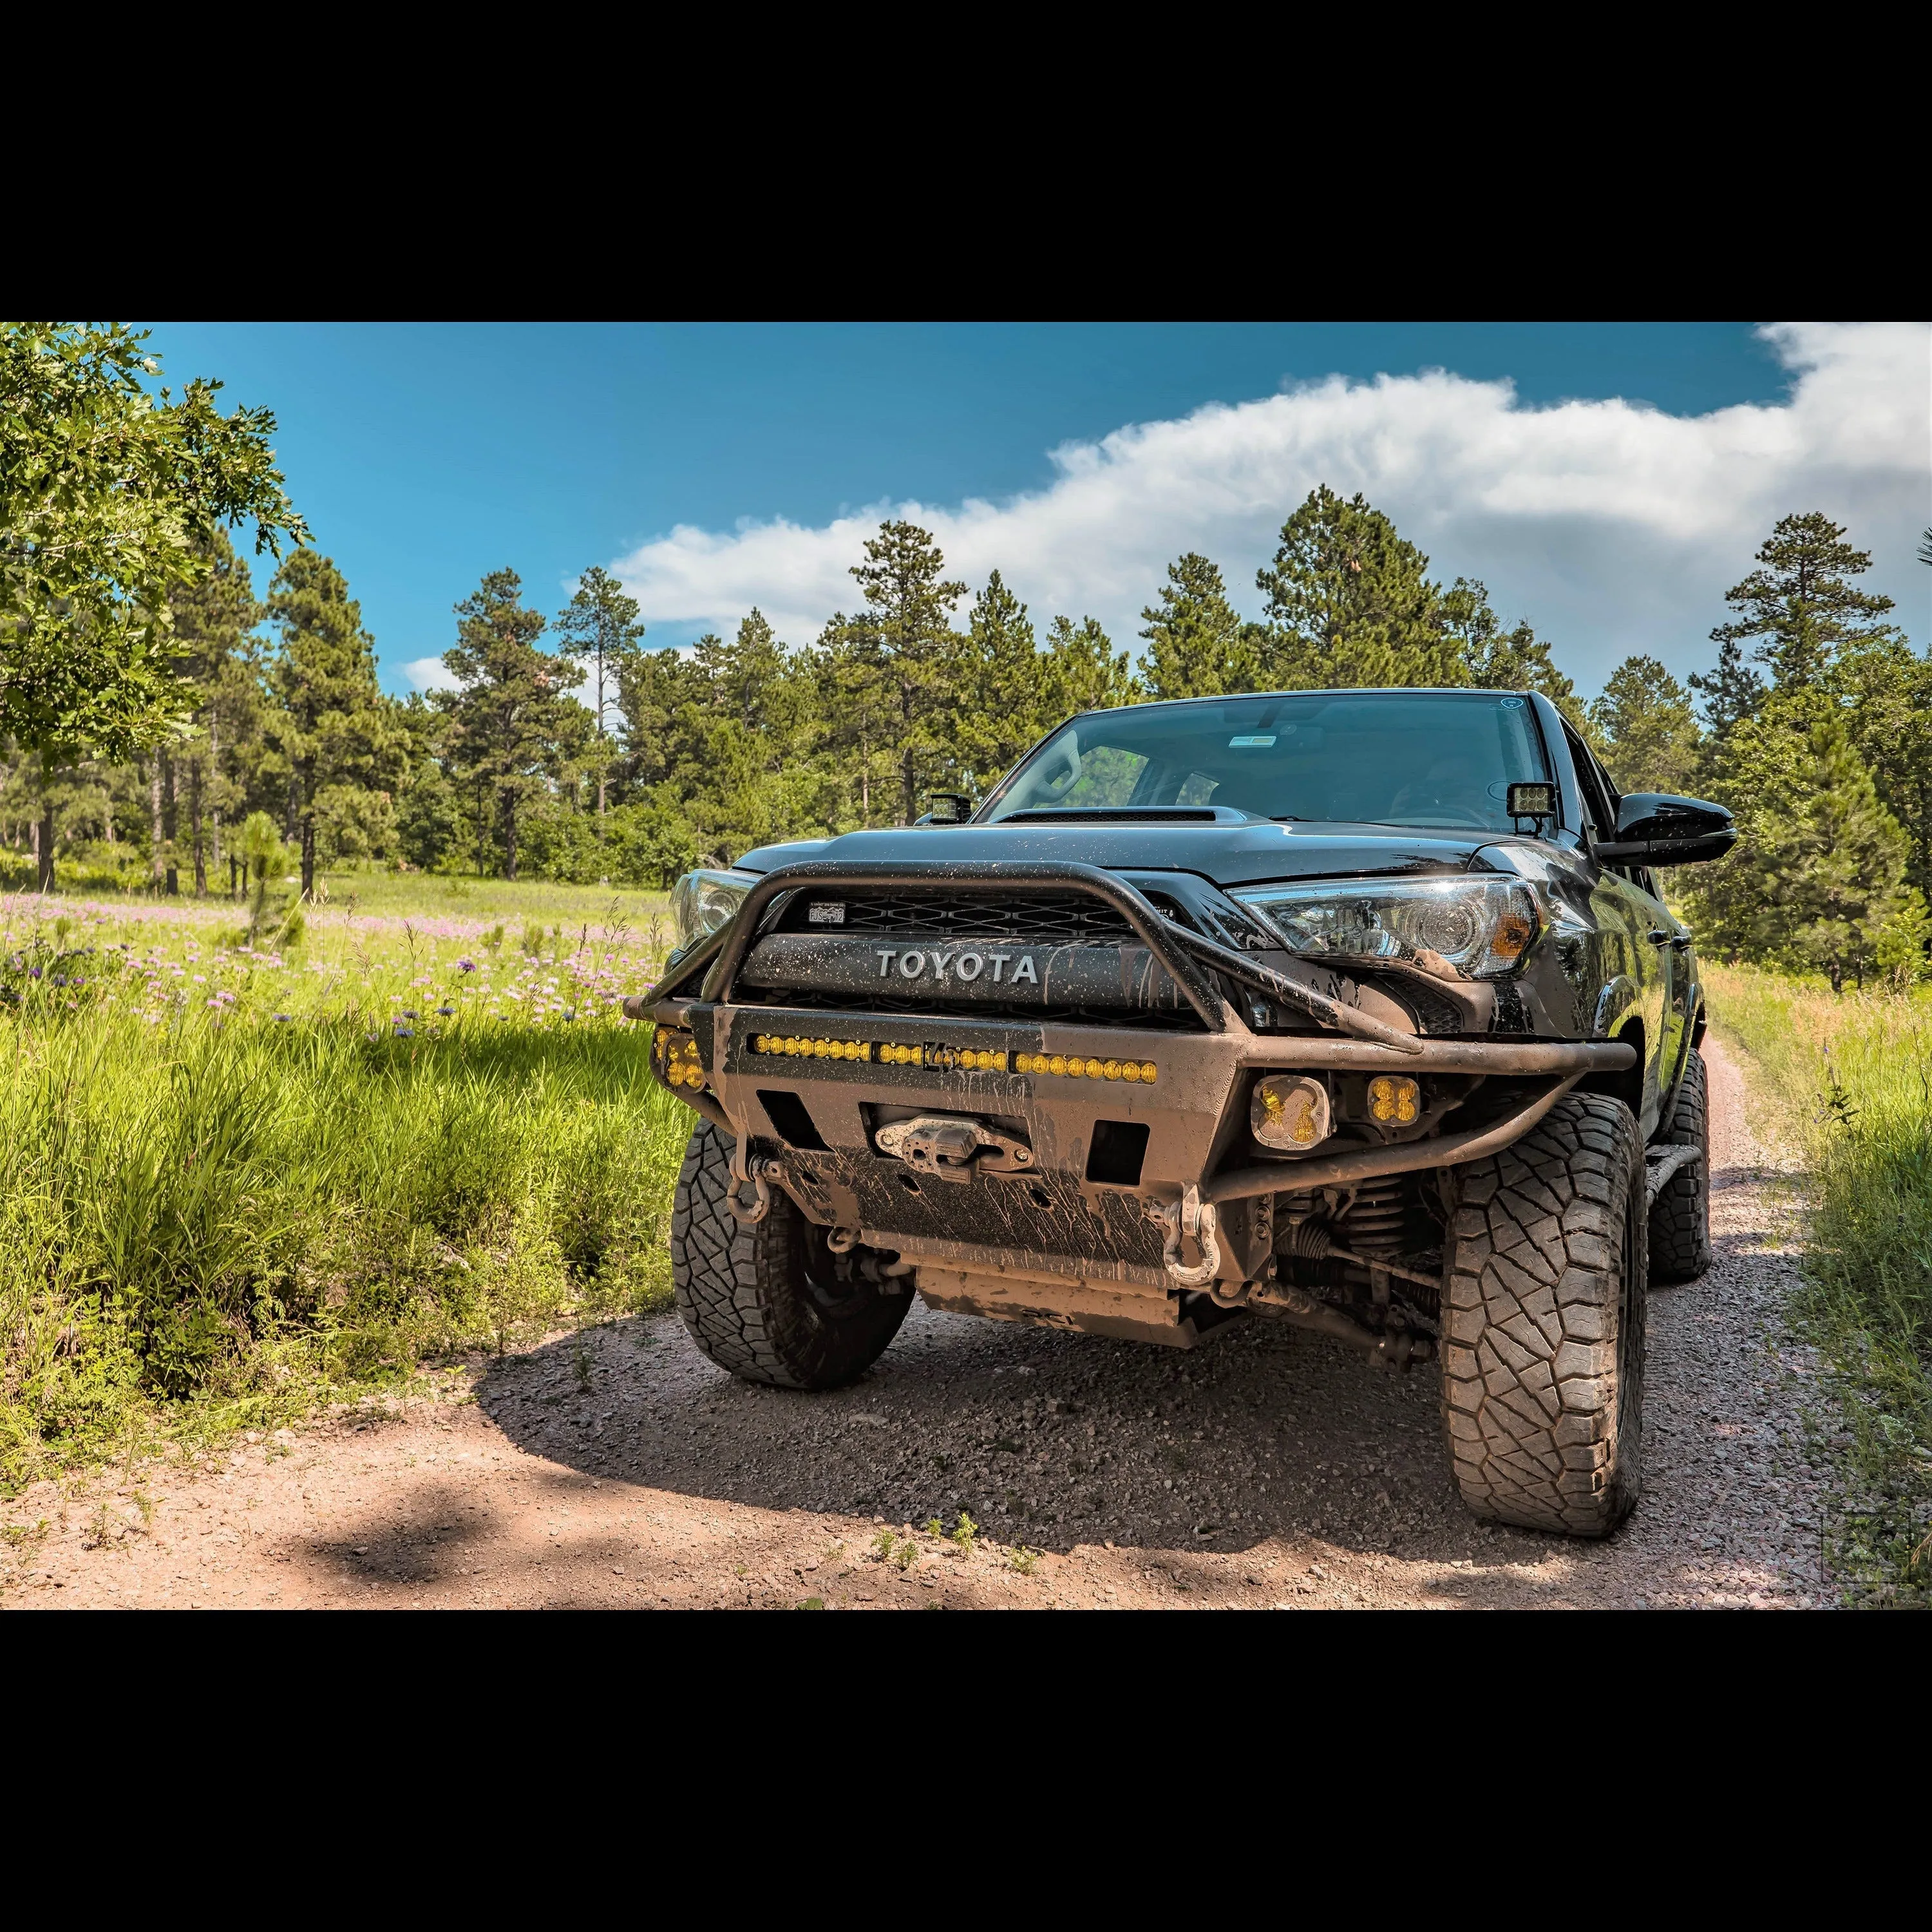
(954,1059)
(1075,1066)
(795,1048)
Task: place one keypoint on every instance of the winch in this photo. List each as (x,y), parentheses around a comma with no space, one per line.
(952,1146)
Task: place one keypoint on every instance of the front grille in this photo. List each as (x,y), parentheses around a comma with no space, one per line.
(1060,919)
(813,999)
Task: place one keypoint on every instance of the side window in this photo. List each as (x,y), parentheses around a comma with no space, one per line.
(1600,798)
(1597,805)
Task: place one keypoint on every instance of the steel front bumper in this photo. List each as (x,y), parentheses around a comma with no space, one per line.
(811,1115)
(804,1090)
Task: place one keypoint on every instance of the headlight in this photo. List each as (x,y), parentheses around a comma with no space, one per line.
(700,902)
(1455,928)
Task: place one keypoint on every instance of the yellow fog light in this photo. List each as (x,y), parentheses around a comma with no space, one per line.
(757,1042)
(1130,1070)
(1111,1069)
(1392,1098)
(1289,1110)
(1057,1064)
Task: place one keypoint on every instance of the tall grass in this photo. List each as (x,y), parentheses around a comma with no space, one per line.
(1851,1078)
(233,1186)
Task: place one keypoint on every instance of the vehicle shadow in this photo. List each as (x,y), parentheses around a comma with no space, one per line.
(1046,1439)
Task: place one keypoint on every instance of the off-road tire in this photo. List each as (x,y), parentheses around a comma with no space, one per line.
(763,1299)
(1543,1321)
(1680,1217)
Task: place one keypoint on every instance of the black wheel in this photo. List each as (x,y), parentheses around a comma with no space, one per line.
(1680,1217)
(1543,1323)
(769,1301)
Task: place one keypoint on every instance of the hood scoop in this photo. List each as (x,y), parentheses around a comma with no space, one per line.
(1126,815)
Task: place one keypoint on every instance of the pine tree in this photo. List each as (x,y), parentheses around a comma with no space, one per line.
(1732,692)
(330,726)
(1884,690)
(1799,605)
(905,638)
(1819,865)
(1835,873)
(508,711)
(1819,634)
(1350,604)
(600,625)
(1197,645)
(1005,705)
(750,679)
(654,690)
(1084,671)
(1644,726)
(856,721)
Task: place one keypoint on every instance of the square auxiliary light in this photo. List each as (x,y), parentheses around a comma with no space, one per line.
(1394,1099)
(1532,801)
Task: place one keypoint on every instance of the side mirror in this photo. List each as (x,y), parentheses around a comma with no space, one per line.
(949,807)
(1655,828)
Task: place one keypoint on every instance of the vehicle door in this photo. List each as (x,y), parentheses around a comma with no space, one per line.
(1671,940)
(1637,932)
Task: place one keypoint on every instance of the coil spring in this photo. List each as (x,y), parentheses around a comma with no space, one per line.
(1377,1222)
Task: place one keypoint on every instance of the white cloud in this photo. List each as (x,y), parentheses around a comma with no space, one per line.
(433,674)
(429,674)
(1613,526)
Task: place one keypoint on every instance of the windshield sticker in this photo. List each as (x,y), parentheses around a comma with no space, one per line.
(1268,739)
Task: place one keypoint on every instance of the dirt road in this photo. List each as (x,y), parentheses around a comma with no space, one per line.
(1269,1468)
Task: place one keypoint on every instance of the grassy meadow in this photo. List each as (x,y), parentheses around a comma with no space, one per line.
(1849,1083)
(238,1180)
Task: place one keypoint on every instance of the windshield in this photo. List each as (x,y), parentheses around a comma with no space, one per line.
(1398,757)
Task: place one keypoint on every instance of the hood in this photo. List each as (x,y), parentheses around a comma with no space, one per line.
(1229,854)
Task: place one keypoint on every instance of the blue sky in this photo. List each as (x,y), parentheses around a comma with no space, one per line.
(715,466)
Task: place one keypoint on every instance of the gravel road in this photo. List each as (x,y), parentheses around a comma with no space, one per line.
(1268,1468)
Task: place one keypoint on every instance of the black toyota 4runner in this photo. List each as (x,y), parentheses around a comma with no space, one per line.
(1358,1010)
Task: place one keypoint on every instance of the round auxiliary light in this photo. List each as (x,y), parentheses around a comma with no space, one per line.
(1057,1064)
(1289,1110)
